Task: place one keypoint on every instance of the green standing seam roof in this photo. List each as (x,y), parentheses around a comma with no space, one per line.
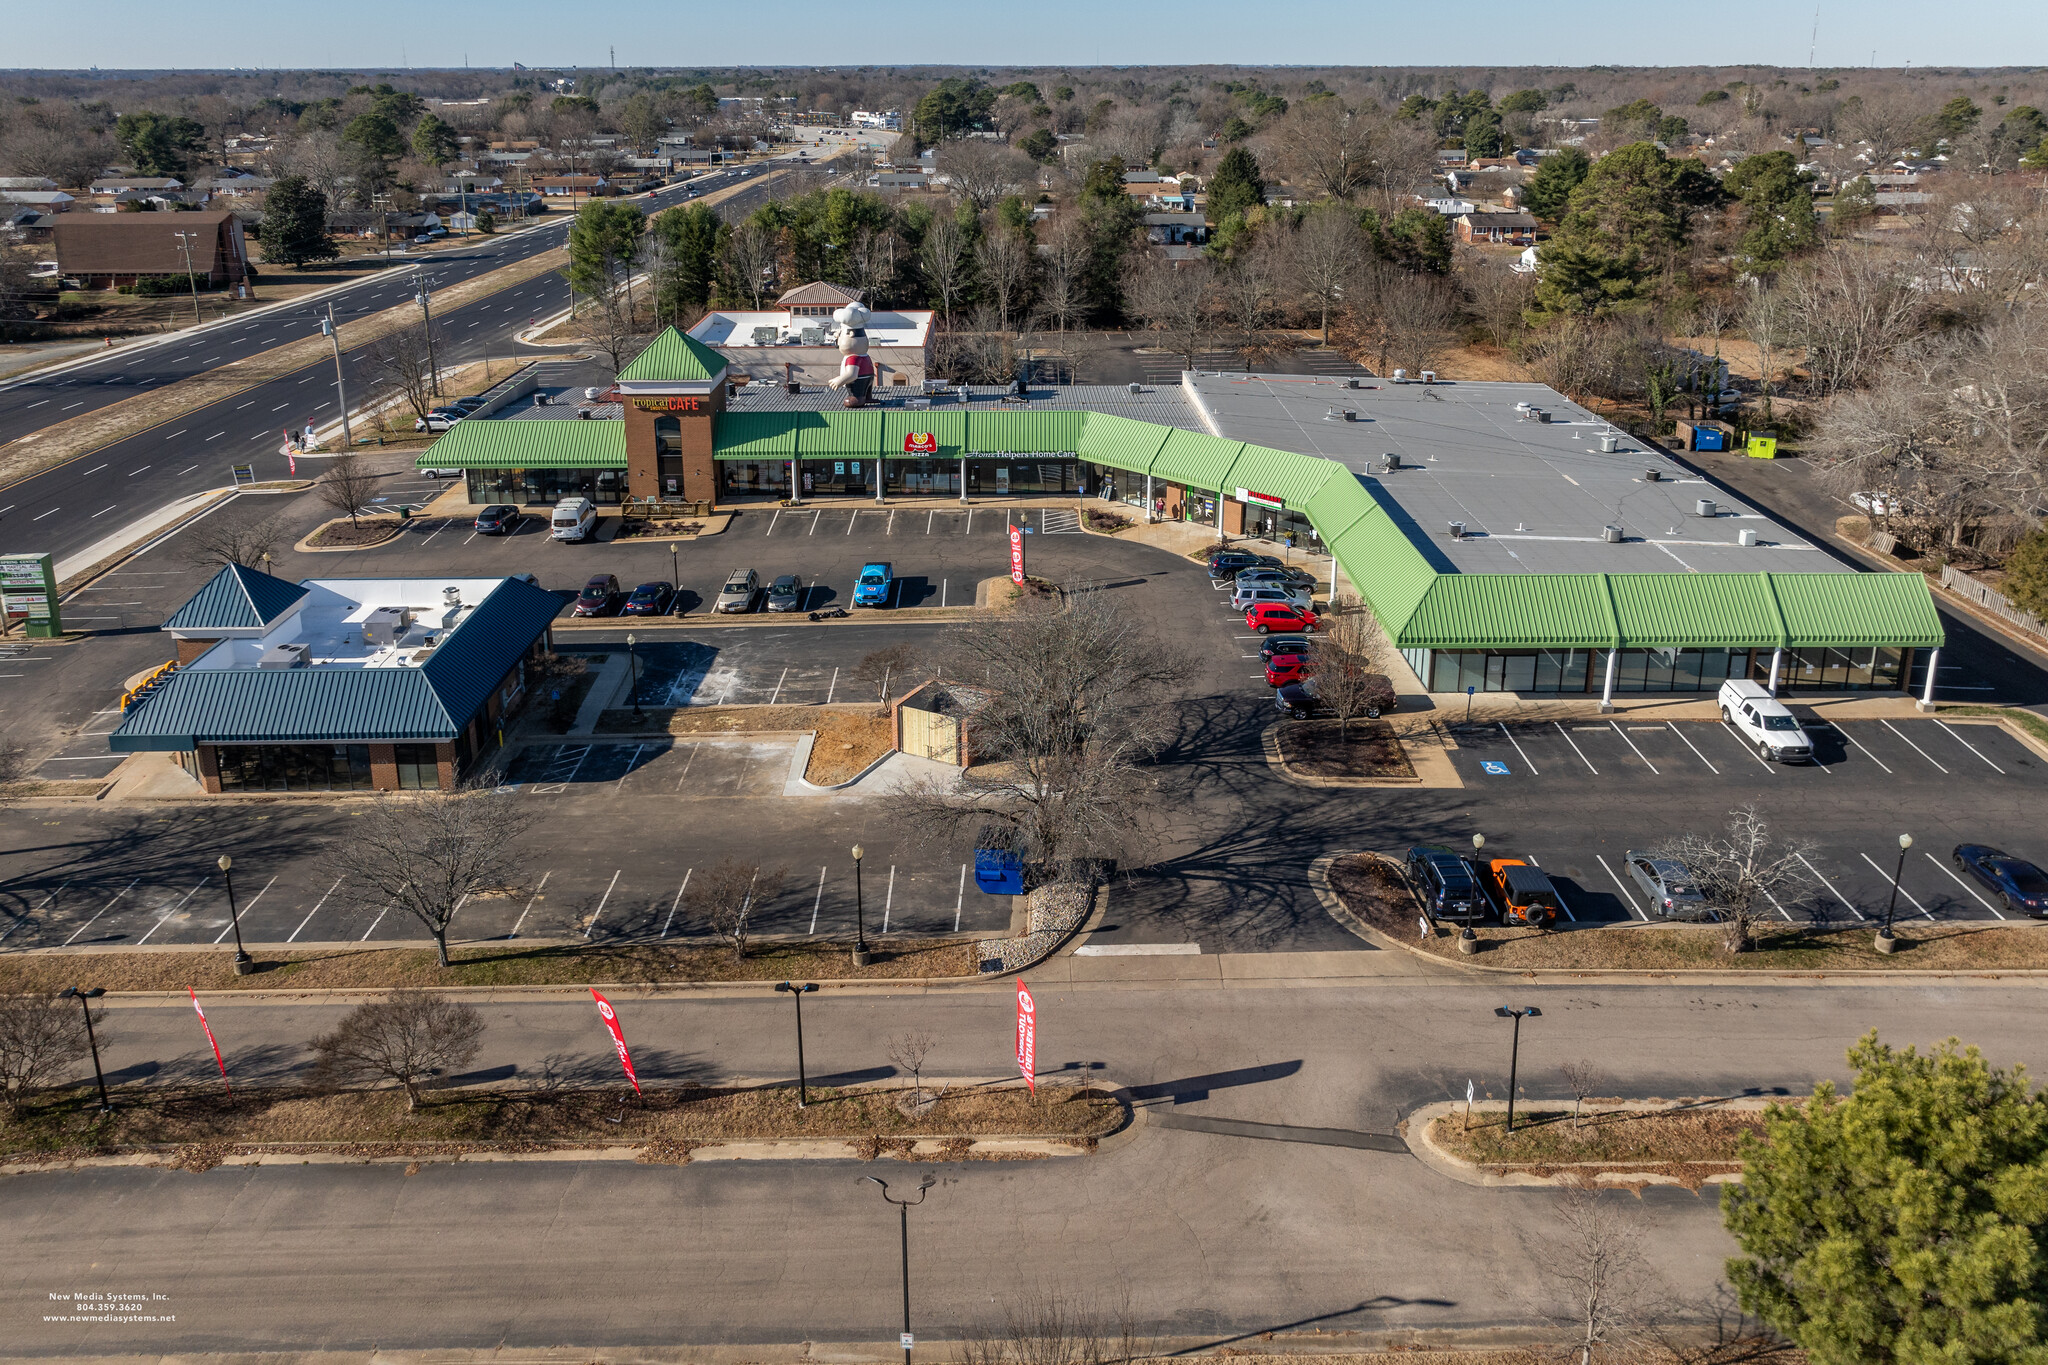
(838,435)
(1511,611)
(1121,442)
(1339,503)
(1692,610)
(1857,609)
(236,598)
(949,427)
(1191,458)
(1383,565)
(535,444)
(1294,479)
(754,436)
(674,356)
(1043,432)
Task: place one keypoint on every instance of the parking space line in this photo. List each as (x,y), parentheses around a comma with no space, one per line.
(1625,893)
(46,901)
(629,767)
(1902,890)
(960,901)
(851,520)
(930,517)
(1963,884)
(1866,753)
(1746,749)
(245,909)
(776,695)
(164,918)
(1694,747)
(814,522)
(1560,895)
(602,902)
(316,910)
(686,768)
(832,687)
(677,901)
(1503,729)
(1781,909)
(1846,905)
(529,904)
(1916,748)
(771,522)
(817,900)
(889,900)
(1632,744)
(1577,750)
(1971,747)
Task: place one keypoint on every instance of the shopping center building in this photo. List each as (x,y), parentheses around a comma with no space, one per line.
(1506,538)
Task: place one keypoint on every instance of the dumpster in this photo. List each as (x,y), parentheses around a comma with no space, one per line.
(999,871)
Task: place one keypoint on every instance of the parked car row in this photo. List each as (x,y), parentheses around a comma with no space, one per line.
(446,416)
(742,592)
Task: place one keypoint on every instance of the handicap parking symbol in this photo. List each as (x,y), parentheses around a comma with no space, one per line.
(1493,769)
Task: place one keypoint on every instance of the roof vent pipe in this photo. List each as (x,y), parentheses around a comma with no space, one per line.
(1400,376)
(1457,530)
(1651,476)
(451,596)
(1137,388)
(1611,534)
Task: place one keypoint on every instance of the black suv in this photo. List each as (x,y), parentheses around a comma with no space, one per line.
(1444,883)
(498,519)
(600,596)
(1228,564)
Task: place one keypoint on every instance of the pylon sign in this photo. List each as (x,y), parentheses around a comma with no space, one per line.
(28,592)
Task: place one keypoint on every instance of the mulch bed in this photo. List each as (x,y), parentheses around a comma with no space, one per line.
(1326,748)
(1375,891)
(338,535)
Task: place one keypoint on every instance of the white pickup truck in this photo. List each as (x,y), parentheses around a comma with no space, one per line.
(1763,720)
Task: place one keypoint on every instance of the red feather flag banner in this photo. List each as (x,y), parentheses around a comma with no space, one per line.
(611,1022)
(209,1039)
(1027,1035)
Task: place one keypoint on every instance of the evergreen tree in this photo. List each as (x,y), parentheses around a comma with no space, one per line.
(295,223)
(2026,575)
(603,239)
(433,141)
(1550,189)
(159,144)
(375,136)
(1416,239)
(692,237)
(1957,117)
(1906,1223)
(1111,219)
(1236,186)
(1778,198)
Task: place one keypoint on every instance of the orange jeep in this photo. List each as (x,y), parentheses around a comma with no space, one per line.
(1522,893)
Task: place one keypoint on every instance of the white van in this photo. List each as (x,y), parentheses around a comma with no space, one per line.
(1763,720)
(574,519)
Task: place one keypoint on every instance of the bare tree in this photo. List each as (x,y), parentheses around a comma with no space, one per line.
(1131,135)
(1326,146)
(1047,1324)
(1077,691)
(402,363)
(1063,278)
(1422,314)
(348,486)
(1746,873)
(944,256)
(1499,296)
(41,1038)
(429,854)
(1248,300)
(1579,1077)
(752,254)
(1006,262)
(1850,308)
(982,172)
(612,325)
(407,1038)
(1768,323)
(884,668)
(726,896)
(217,542)
(908,1051)
(1175,299)
(1602,1287)
(1346,671)
(1324,257)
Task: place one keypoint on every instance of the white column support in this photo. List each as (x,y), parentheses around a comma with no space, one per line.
(1148,497)
(1927,692)
(963,478)
(1777,663)
(796,480)
(1607,687)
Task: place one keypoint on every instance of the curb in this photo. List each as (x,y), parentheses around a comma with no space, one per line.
(1269,740)
(305,547)
(1415,1127)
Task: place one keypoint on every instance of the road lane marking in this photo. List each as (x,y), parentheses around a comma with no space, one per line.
(102,910)
(602,902)
(1830,886)
(38,403)
(1963,884)
(52,512)
(103,511)
(67,407)
(1916,748)
(176,434)
(94,470)
(1902,890)
(322,901)
(133,473)
(677,901)
(1617,881)
(1971,747)
(1577,750)
(232,917)
(1692,746)
(530,903)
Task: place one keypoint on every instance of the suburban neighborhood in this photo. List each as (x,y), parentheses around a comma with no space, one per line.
(1123,706)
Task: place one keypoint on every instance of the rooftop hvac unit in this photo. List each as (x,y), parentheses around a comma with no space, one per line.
(1522,407)
(1136,388)
(1389,462)
(813,336)
(1651,476)
(451,596)
(294,654)
(765,336)
(384,625)
(1608,441)
(1611,534)
(1457,530)
(1429,376)
(1400,376)
(1745,537)
(1351,383)
(1704,508)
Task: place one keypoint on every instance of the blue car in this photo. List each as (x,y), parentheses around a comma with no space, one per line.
(873,587)
(2022,886)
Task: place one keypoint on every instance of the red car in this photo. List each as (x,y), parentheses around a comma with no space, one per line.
(1271,616)
(1283,669)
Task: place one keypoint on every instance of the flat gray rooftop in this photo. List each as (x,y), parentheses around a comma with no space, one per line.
(1534,497)
(1165,404)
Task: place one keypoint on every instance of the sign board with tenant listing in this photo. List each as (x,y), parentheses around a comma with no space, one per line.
(28,592)
(1258,499)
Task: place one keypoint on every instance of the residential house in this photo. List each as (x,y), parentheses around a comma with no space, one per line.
(31,183)
(43,201)
(1176,229)
(1510,229)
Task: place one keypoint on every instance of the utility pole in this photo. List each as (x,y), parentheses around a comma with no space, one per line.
(425,299)
(185,245)
(333,333)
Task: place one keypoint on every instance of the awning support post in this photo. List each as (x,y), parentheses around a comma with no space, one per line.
(1927,692)
(1777,663)
(1607,687)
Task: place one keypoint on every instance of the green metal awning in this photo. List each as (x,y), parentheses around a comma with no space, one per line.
(1025,433)
(528,444)
(838,435)
(948,428)
(754,436)
(1121,443)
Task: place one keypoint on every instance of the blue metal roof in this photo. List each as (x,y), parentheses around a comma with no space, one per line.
(338,705)
(236,598)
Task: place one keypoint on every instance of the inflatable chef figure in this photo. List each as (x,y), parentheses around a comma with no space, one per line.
(856,371)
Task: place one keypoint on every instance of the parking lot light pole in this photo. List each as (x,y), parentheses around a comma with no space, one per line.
(633,667)
(797,993)
(860,929)
(675,573)
(1884,935)
(333,333)
(903,1207)
(244,964)
(1515,1050)
(85,998)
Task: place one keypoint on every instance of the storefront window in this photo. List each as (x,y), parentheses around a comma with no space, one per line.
(1660,670)
(418,767)
(1005,477)
(293,767)
(924,476)
(838,476)
(530,486)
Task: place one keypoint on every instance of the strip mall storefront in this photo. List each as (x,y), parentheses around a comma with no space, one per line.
(998,476)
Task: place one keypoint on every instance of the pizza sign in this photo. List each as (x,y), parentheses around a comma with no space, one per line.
(920,443)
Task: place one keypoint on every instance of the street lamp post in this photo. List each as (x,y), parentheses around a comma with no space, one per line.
(1884,935)
(675,573)
(903,1207)
(244,964)
(425,299)
(860,925)
(797,993)
(1515,1050)
(191,278)
(633,664)
(329,330)
(85,998)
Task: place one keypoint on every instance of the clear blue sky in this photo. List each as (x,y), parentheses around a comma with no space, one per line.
(113,34)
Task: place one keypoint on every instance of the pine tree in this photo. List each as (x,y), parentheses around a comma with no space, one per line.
(295,224)
(1236,187)
(1550,189)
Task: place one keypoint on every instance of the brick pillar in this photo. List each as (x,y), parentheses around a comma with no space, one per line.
(1233,516)
(384,767)
(444,758)
(209,768)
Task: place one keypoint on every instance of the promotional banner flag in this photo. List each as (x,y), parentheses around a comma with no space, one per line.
(1017,555)
(611,1022)
(209,1040)
(1027,1036)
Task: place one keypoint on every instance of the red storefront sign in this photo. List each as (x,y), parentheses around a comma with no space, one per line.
(920,443)
(1027,1035)
(1017,555)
